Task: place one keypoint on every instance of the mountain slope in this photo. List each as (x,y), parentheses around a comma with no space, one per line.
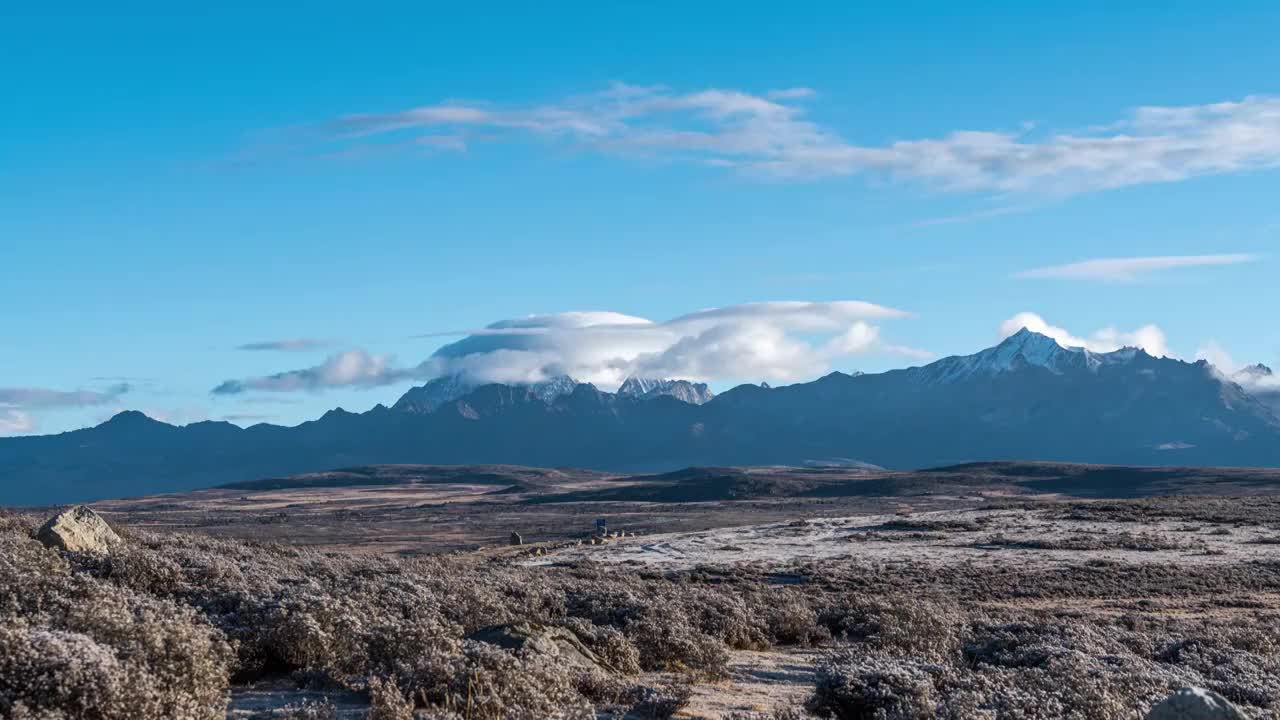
(1026,398)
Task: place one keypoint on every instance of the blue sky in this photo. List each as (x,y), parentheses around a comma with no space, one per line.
(174,186)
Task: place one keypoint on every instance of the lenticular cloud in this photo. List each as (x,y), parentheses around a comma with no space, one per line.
(769,340)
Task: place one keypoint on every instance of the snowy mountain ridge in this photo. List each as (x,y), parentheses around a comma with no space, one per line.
(1023,348)
(683,390)
(446,389)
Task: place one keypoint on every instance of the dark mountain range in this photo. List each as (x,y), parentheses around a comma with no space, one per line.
(1027,398)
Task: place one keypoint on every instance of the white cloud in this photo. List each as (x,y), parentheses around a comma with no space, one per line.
(1251,378)
(1148,337)
(800,315)
(796,93)
(44,398)
(353,368)
(738,350)
(1132,268)
(288,345)
(1218,357)
(17,404)
(13,422)
(769,135)
(734,342)
(974,216)
(772,340)
(860,337)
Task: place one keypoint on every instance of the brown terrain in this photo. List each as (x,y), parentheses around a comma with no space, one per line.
(993,590)
(427,508)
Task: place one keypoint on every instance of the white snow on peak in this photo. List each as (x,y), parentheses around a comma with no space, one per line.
(446,389)
(684,390)
(1033,348)
(1023,348)
(552,388)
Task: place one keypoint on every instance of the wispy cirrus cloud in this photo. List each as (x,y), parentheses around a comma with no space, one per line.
(353,368)
(287,345)
(772,340)
(974,216)
(1129,269)
(246,418)
(771,135)
(29,398)
(17,404)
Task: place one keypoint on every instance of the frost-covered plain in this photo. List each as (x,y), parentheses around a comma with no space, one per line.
(943,537)
(962,605)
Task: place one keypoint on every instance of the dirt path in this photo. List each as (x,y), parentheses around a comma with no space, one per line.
(759,682)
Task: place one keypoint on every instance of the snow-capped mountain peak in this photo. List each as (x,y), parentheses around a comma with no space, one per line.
(445,389)
(437,392)
(1023,348)
(683,390)
(1252,373)
(550,389)
(1030,347)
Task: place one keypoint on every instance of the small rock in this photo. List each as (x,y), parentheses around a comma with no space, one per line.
(516,539)
(78,530)
(542,640)
(1195,704)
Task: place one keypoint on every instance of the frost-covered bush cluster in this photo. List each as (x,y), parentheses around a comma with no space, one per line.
(160,625)
(932,662)
(163,624)
(72,646)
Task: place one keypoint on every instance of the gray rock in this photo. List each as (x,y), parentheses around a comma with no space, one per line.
(541,640)
(1195,704)
(78,530)
(516,539)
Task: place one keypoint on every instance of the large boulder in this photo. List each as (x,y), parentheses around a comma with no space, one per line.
(78,530)
(1195,704)
(541,640)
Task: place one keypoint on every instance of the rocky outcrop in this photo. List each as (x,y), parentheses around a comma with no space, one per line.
(78,530)
(1195,704)
(541,640)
